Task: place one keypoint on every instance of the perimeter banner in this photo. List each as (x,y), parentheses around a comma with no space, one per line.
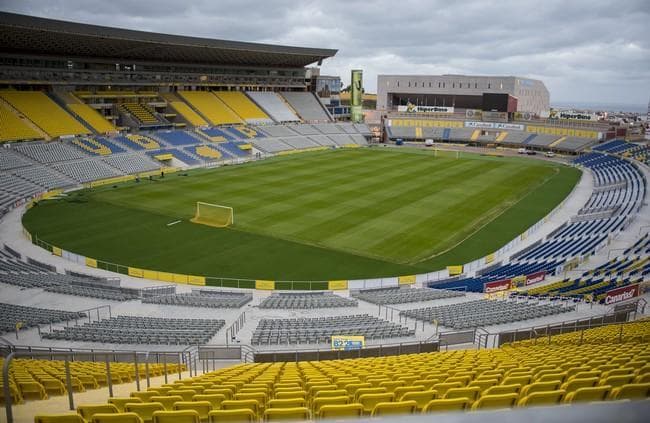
(496,286)
(356,96)
(536,277)
(623,293)
(346,343)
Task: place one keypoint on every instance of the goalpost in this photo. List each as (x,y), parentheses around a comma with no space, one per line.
(213,215)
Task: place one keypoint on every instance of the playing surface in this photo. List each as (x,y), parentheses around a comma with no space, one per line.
(315,216)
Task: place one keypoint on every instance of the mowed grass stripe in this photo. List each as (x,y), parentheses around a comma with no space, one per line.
(323,215)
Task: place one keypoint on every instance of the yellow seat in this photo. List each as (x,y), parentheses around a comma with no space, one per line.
(287,403)
(180,416)
(517,380)
(252,405)
(318,402)
(597,393)
(145,410)
(214,399)
(539,387)
(575,384)
(616,381)
(201,407)
(332,393)
(32,389)
(470,393)
(362,391)
(220,391)
(291,394)
(483,384)
(293,413)
(631,391)
(186,394)
(399,407)
(502,389)
(145,396)
(463,380)
(496,401)
(260,397)
(167,400)
(442,388)
(116,418)
(120,402)
(422,398)
(88,410)
(334,411)
(642,378)
(401,390)
(369,401)
(442,405)
(390,386)
(542,398)
(59,418)
(234,416)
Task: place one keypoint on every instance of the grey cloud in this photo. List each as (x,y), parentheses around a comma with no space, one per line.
(585,50)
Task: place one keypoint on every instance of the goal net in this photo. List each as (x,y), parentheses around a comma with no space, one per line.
(213,215)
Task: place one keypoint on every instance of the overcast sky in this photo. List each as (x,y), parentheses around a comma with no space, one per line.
(585,51)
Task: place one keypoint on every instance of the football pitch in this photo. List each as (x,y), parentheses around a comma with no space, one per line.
(342,214)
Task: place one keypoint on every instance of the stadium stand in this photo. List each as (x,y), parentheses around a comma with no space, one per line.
(139,142)
(270,145)
(14,316)
(472,314)
(206,152)
(232,149)
(210,107)
(277,131)
(243,107)
(217,134)
(630,268)
(86,170)
(32,378)
(131,163)
(141,330)
(44,177)
(175,138)
(402,295)
(141,113)
(308,107)
(274,106)
(14,128)
(11,160)
(203,298)
(631,332)
(98,146)
(306,129)
(184,110)
(517,375)
(182,155)
(86,113)
(613,147)
(320,330)
(306,300)
(49,152)
(44,112)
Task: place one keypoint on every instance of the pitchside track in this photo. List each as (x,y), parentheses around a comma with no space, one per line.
(317,216)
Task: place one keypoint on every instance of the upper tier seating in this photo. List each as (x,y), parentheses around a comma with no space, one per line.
(141,330)
(14,128)
(308,300)
(403,295)
(613,147)
(321,329)
(274,106)
(92,117)
(141,112)
(307,105)
(210,107)
(477,313)
(44,112)
(184,110)
(31,316)
(203,298)
(243,106)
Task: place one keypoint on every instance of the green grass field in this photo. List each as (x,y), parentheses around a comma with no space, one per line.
(316,216)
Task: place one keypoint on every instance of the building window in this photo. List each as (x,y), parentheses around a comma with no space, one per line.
(398,83)
(443,85)
(475,85)
(439,84)
(429,84)
(489,85)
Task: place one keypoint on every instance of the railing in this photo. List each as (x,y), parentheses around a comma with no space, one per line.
(89,313)
(235,327)
(108,356)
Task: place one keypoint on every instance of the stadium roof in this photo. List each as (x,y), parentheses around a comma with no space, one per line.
(28,35)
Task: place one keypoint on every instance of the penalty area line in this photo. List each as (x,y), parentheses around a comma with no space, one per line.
(174,222)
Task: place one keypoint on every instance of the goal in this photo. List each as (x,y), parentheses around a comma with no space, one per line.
(213,215)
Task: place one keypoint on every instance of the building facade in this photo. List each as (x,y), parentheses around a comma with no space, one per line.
(460,92)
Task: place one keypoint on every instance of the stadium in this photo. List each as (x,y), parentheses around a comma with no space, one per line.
(191,232)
